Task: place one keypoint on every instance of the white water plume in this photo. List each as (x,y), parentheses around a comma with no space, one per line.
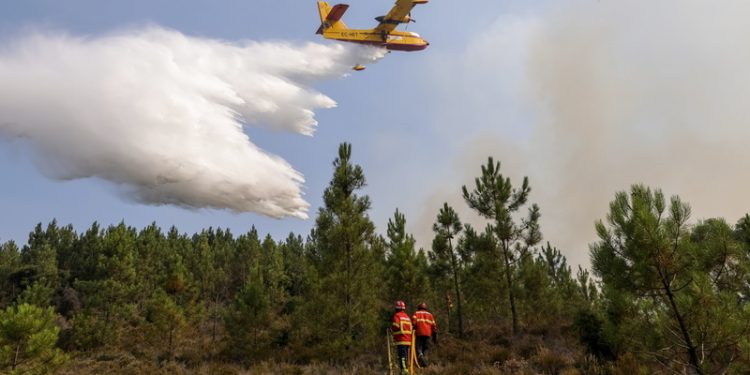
(161,114)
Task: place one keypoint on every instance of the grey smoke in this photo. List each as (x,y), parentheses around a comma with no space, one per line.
(596,96)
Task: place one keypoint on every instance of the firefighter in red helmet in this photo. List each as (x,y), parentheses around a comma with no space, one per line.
(401,328)
(425,327)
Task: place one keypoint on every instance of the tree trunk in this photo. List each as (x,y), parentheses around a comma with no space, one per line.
(15,358)
(447,312)
(348,292)
(509,282)
(692,352)
(458,290)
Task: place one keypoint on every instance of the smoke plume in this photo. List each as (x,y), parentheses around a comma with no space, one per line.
(644,92)
(615,93)
(161,114)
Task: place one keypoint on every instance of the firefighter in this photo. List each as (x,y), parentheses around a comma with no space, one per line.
(425,327)
(401,328)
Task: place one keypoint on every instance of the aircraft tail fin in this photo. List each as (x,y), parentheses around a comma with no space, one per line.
(330,17)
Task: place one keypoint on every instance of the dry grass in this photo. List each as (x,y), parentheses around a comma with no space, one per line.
(494,353)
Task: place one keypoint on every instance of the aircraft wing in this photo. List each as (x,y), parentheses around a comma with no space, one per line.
(397,14)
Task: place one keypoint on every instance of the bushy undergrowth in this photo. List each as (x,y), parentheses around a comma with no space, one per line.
(486,351)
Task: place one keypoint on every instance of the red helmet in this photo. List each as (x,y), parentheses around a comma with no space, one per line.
(400,305)
(422,306)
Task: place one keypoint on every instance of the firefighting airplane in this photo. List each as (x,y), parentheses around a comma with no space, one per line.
(384,35)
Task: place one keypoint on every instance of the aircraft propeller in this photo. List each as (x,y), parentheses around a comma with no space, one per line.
(410,20)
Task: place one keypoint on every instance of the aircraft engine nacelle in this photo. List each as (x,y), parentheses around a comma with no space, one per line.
(406,19)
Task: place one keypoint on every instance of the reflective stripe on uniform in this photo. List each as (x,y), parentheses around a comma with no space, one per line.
(406,331)
(424,317)
(426,321)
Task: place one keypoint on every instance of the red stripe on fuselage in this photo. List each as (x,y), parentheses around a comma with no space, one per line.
(405,47)
(391,46)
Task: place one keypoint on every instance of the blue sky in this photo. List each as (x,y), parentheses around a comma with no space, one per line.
(585,97)
(386,111)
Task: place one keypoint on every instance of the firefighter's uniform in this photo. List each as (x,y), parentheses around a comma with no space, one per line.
(402,330)
(425,327)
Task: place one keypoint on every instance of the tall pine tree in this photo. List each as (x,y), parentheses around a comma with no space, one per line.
(494,198)
(687,284)
(446,228)
(350,277)
(406,269)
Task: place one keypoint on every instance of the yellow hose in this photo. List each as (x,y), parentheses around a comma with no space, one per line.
(413,355)
(390,354)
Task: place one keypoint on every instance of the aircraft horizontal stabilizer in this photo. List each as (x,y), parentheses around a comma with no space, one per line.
(337,12)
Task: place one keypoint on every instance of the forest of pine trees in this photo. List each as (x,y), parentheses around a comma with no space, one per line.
(666,293)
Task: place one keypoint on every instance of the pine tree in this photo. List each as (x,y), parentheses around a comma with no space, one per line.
(494,198)
(478,252)
(65,242)
(742,231)
(641,252)
(272,273)
(177,277)
(10,261)
(644,258)
(586,286)
(165,319)
(558,295)
(299,278)
(717,298)
(347,301)
(150,257)
(446,228)
(247,257)
(111,291)
(248,321)
(85,258)
(208,262)
(407,276)
(27,341)
(40,253)
(39,257)
(742,234)
(296,269)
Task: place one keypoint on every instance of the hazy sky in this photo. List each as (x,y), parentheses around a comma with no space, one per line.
(585,97)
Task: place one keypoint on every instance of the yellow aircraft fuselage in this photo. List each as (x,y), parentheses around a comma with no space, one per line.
(393,41)
(384,35)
